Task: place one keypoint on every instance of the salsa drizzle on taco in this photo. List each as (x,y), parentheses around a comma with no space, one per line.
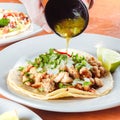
(57,71)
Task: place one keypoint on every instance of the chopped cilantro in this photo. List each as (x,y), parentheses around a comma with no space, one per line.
(41,89)
(49,59)
(27,74)
(78,66)
(61,85)
(28,80)
(4,22)
(77,58)
(21,68)
(87,83)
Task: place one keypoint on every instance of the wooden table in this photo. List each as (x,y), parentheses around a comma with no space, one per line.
(104,19)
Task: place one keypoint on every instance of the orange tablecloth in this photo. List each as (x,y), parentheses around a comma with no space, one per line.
(104,19)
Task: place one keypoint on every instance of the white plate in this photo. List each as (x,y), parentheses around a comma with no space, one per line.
(34,46)
(32,31)
(23,112)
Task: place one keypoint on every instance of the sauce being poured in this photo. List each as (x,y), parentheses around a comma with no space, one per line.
(68,28)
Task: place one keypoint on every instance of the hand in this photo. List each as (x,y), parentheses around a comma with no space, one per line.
(35,10)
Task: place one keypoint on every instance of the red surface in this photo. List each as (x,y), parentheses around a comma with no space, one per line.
(104,19)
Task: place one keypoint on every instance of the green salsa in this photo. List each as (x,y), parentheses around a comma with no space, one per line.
(69,28)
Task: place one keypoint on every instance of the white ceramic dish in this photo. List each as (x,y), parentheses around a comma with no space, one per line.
(32,31)
(34,46)
(23,112)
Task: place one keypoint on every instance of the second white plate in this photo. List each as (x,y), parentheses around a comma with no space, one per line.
(23,112)
(32,31)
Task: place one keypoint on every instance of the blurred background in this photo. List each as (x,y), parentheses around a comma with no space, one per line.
(104,17)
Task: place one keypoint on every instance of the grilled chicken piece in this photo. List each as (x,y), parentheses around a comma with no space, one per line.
(96,72)
(98,82)
(59,77)
(63,68)
(33,70)
(66,78)
(63,77)
(48,85)
(85,72)
(73,72)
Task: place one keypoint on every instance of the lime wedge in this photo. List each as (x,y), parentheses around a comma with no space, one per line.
(109,58)
(11,115)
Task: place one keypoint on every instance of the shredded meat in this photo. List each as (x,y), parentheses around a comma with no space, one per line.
(66,78)
(73,72)
(97,70)
(59,77)
(98,82)
(63,77)
(48,85)
(85,73)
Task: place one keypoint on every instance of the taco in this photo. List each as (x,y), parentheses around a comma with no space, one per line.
(60,74)
(13,23)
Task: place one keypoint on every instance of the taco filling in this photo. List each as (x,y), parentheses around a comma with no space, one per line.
(60,71)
